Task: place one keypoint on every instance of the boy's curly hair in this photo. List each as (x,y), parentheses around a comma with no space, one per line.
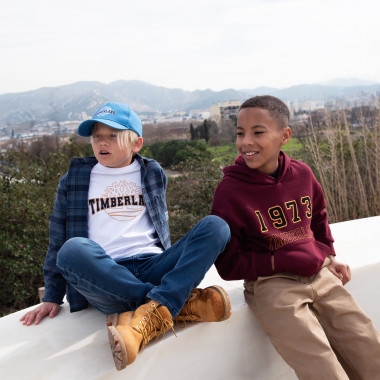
(277,109)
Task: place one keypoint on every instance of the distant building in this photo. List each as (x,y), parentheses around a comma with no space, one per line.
(224,111)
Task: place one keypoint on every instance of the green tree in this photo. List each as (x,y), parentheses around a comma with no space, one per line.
(192,131)
(206,127)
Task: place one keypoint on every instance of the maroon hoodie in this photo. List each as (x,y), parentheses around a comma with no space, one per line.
(284,217)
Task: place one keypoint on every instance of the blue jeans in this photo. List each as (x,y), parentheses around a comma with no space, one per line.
(167,278)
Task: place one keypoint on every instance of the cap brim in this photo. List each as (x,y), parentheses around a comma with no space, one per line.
(85,128)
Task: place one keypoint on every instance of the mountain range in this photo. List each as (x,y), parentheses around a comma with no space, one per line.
(81,99)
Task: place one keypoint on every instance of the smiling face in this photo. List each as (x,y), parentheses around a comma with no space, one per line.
(260,138)
(107,150)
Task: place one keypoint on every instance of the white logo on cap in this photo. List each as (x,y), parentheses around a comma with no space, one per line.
(105,111)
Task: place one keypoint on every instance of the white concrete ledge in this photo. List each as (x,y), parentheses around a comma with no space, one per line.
(75,346)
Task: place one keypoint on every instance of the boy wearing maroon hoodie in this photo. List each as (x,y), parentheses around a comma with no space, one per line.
(282,246)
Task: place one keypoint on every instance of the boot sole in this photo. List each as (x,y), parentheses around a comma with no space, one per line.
(112,320)
(226,302)
(119,352)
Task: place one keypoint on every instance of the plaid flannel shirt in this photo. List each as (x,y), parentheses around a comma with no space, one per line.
(70,213)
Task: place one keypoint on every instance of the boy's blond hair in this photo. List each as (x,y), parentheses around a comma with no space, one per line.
(125,137)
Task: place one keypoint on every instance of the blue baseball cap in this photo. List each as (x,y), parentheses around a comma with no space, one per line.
(115,115)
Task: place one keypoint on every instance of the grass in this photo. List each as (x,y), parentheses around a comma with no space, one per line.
(225,153)
(294,144)
(346,163)
(229,151)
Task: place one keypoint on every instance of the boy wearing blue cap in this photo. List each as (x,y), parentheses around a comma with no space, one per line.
(110,245)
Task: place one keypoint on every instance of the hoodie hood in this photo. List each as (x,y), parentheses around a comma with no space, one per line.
(239,170)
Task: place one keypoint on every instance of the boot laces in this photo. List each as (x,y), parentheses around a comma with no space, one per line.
(153,325)
(187,313)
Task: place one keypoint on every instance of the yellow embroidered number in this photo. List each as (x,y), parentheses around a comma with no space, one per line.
(264,228)
(306,200)
(277,215)
(293,205)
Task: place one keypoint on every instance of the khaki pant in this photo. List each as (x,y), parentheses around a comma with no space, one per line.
(316,326)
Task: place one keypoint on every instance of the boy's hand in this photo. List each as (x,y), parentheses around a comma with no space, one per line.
(40,312)
(342,271)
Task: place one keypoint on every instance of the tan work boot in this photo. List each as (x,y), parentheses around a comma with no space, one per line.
(130,332)
(211,304)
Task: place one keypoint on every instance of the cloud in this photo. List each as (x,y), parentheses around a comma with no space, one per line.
(214,44)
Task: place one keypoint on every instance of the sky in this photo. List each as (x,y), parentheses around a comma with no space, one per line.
(196,44)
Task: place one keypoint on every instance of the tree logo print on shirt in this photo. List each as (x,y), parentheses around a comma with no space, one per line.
(122,201)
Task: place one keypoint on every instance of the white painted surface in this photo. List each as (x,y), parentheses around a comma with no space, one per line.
(75,346)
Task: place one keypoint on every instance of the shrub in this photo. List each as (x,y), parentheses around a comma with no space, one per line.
(190,195)
(28,186)
(176,151)
(155,147)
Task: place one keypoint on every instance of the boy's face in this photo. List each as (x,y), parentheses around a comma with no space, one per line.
(107,150)
(259,139)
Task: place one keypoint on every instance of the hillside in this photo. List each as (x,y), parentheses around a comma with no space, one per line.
(81,99)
